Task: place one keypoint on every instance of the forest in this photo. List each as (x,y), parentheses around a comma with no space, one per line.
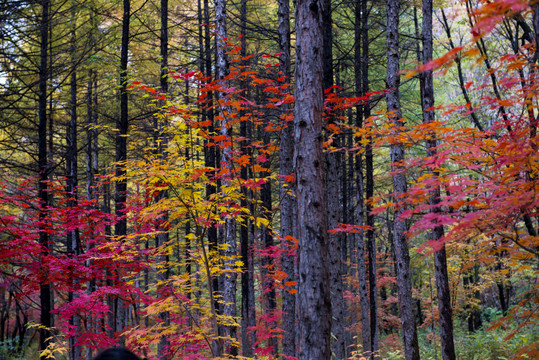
(254,179)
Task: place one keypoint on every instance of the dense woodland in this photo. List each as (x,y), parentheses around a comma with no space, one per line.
(251,179)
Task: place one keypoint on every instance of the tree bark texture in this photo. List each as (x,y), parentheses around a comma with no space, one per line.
(288,202)
(44,288)
(360,198)
(440,261)
(161,147)
(120,228)
(314,297)
(230,276)
(247,278)
(334,209)
(73,239)
(402,256)
(210,155)
(369,187)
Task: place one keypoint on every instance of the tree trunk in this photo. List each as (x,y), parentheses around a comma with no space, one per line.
(314,296)
(161,148)
(92,163)
(120,228)
(44,287)
(402,256)
(440,262)
(360,200)
(333,205)
(210,161)
(73,239)
(229,285)
(247,296)
(369,188)
(288,203)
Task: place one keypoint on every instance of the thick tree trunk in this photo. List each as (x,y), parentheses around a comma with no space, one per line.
(44,288)
(440,262)
(402,256)
(314,297)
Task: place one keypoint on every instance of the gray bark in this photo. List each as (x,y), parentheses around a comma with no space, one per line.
(402,256)
(369,188)
(359,67)
(230,277)
(314,298)
(210,161)
(334,210)
(440,262)
(288,203)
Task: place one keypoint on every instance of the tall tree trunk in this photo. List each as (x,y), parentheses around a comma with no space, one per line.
(369,187)
(288,203)
(210,161)
(247,296)
(91,154)
(333,206)
(120,228)
(402,256)
(73,239)
(92,163)
(161,148)
(314,296)
(229,284)
(44,288)
(440,261)
(359,195)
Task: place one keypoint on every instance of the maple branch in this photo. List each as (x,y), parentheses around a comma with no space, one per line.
(531,251)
